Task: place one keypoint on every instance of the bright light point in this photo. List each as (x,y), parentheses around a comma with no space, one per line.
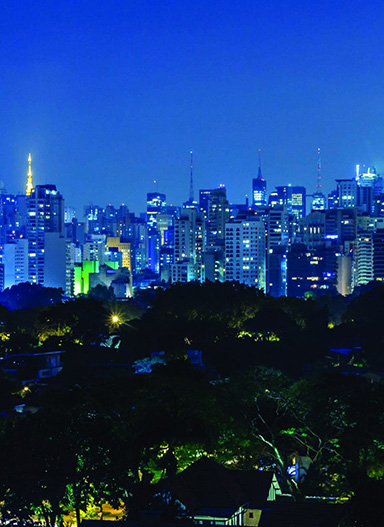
(115,319)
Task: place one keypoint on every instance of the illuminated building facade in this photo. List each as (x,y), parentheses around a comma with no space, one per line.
(245,253)
(156,204)
(259,190)
(346,193)
(124,247)
(46,241)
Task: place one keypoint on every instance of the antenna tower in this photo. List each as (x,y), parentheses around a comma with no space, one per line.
(318,182)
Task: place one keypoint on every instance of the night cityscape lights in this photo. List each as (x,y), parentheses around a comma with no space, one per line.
(191,327)
(286,243)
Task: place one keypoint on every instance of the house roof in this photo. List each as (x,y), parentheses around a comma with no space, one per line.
(206,484)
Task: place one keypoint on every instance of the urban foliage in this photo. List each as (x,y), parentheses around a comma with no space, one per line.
(270,395)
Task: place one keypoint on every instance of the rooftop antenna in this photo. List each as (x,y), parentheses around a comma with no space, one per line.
(191,192)
(259,174)
(318,183)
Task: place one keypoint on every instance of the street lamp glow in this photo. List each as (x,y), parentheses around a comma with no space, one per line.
(115,319)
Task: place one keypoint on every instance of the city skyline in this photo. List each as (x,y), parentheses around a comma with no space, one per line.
(120,93)
(80,203)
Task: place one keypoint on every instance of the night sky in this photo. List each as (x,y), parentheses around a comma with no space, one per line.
(110,95)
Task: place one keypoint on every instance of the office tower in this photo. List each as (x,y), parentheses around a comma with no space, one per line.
(368,177)
(188,246)
(109,222)
(277,271)
(378,255)
(184,242)
(139,244)
(123,221)
(259,189)
(218,215)
(341,225)
(311,270)
(75,232)
(277,226)
(165,227)
(94,248)
(378,205)
(277,242)
(156,204)
(346,193)
(298,270)
(245,252)
(333,199)
(73,258)
(46,241)
(364,259)
(369,186)
(294,199)
(69,214)
(153,255)
(94,216)
(273,199)
(15,261)
(298,202)
(204,197)
(312,229)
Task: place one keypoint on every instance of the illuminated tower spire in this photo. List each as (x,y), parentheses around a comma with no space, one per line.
(318,201)
(191,192)
(318,183)
(29,185)
(259,174)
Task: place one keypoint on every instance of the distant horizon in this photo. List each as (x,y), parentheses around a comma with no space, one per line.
(327,187)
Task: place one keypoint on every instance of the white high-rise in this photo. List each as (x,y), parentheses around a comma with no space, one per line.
(245,252)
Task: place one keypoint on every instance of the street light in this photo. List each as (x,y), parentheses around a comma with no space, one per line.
(115,319)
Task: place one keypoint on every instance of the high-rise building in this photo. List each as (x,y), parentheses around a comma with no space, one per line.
(311,270)
(346,193)
(259,189)
(15,260)
(245,252)
(378,255)
(46,241)
(218,215)
(363,259)
(188,245)
(204,197)
(156,204)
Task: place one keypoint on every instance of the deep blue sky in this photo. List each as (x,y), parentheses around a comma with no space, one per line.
(109,96)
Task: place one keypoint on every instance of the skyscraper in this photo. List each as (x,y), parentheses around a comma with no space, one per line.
(46,241)
(259,189)
(156,204)
(245,252)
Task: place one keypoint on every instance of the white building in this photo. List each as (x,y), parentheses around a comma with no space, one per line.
(245,252)
(15,260)
(364,259)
